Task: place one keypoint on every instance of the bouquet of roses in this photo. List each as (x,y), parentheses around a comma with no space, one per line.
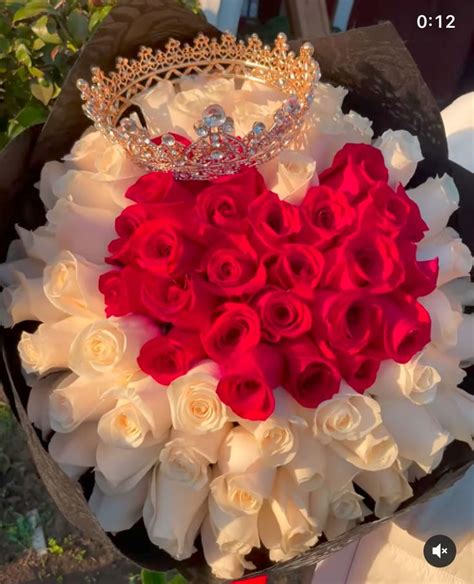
(249,331)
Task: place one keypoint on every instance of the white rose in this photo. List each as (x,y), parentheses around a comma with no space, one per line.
(328,98)
(119,470)
(28,267)
(237,495)
(285,526)
(375,451)
(445,321)
(437,199)
(182,463)
(195,406)
(454,257)
(77,399)
(276,437)
(141,416)
(84,231)
(71,284)
(206,445)
(345,511)
(346,416)
(460,292)
(208,83)
(48,347)
(339,472)
(173,514)
(447,366)
(154,105)
(453,408)
(308,466)
(223,565)
(290,175)
(262,90)
(94,190)
(388,488)
(110,345)
(246,479)
(401,151)
(414,380)
(38,401)
(319,508)
(50,173)
(347,504)
(119,511)
(323,134)
(94,153)
(39,244)
(417,434)
(248,109)
(360,126)
(464,347)
(75,452)
(27,301)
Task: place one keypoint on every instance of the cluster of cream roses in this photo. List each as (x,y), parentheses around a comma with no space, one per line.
(176,455)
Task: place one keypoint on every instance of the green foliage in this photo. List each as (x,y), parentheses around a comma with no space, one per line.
(172,577)
(54,547)
(19,532)
(39,42)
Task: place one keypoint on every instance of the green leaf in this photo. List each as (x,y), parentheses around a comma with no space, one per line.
(35,72)
(178,579)
(78,26)
(38,44)
(31,114)
(4,45)
(43,92)
(31,9)
(22,55)
(98,16)
(153,577)
(46,33)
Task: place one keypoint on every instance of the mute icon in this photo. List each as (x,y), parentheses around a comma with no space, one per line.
(439,551)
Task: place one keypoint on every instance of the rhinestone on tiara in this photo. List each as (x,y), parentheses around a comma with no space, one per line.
(216,150)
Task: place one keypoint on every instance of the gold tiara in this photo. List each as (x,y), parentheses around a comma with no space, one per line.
(216,151)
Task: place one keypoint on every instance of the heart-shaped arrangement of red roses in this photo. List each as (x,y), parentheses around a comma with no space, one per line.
(277,294)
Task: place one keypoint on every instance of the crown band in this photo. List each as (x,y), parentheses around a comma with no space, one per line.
(216,151)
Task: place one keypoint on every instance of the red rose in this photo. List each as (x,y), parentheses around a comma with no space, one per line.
(157,187)
(274,222)
(359,371)
(393,212)
(312,377)
(114,287)
(234,269)
(167,357)
(296,267)
(420,276)
(355,169)
(350,322)
(224,204)
(407,328)
(247,393)
(131,218)
(327,215)
(282,315)
(235,330)
(164,298)
(366,260)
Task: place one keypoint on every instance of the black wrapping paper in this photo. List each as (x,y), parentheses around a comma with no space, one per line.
(384,84)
